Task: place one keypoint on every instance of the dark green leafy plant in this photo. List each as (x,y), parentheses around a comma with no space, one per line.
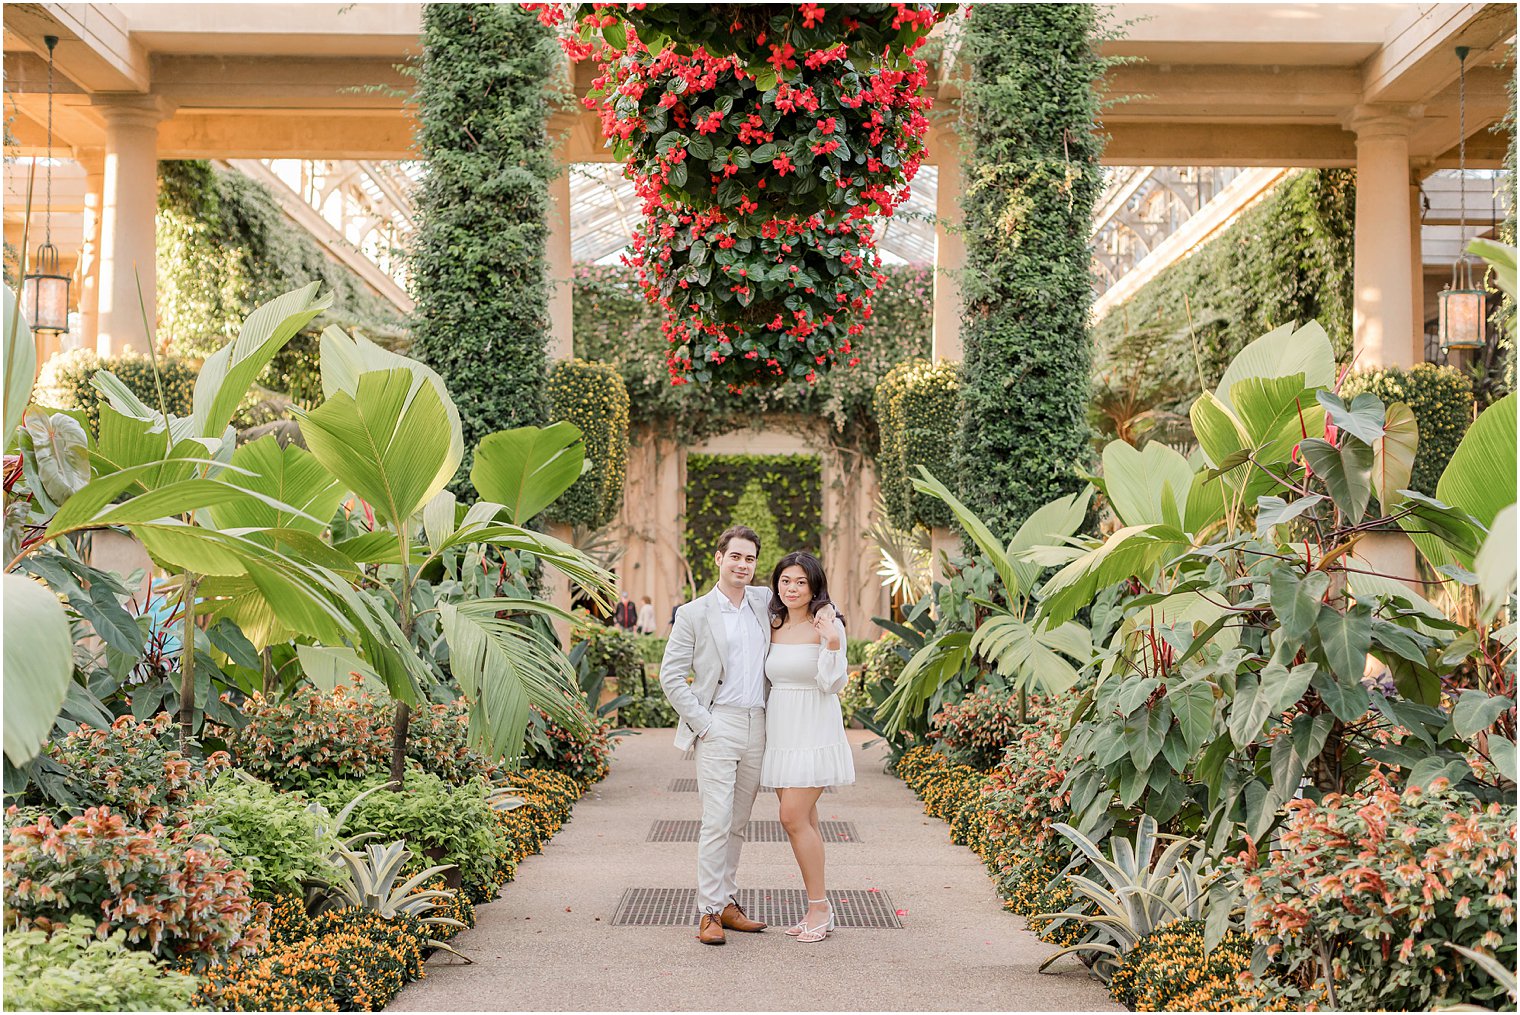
(65,382)
(593,397)
(74,969)
(1030,157)
(478,269)
(271,835)
(917,411)
(779,496)
(1442,402)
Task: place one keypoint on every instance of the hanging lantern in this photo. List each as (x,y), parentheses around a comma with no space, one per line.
(45,293)
(45,289)
(1463,306)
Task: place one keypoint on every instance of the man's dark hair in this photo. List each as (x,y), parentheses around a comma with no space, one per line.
(738,532)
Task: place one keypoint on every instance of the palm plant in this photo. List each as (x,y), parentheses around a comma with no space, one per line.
(1136,897)
(906,555)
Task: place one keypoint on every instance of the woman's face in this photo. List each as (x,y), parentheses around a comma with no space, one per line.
(793,587)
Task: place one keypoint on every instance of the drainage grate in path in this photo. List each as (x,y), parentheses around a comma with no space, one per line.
(690,786)
(858,908)
(758,831)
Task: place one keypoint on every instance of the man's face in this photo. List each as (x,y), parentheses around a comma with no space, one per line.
(736,565)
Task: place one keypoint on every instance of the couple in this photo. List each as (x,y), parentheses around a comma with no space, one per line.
(743,643)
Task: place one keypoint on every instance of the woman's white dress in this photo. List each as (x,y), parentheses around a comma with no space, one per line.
(805,743)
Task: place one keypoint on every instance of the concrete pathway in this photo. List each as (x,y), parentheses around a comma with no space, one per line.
(547,944)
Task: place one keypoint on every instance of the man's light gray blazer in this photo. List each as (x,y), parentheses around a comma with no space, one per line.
(699,644)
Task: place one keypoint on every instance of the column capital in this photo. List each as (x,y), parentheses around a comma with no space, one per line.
(131,109)
(1378,120)
(92,160)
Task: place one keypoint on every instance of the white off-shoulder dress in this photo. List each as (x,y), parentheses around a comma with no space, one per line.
(805,743)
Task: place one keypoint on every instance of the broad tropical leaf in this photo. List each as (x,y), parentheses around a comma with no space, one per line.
(328,667)
(1130,552)
(1393,455)
(289,475)
(20,363)
(1049,524)
(1139,482)
(232,369)
(528,468)
(1346,471)
(503,667)
(1283,353)
(929,669)
(39,665)
(974,527)
(1478,481)
(345,358)
(384,443)
(1495,562)
(62,450)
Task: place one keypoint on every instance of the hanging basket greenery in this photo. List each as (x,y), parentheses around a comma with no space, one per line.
(761,139)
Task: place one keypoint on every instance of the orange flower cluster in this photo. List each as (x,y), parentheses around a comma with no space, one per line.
(132,768)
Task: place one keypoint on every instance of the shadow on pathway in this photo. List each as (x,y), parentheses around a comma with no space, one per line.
(548,942)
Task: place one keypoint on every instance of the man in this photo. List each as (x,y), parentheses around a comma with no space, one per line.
(625,615)
(722,638)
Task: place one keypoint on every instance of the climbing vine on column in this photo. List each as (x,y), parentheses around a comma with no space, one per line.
(479,273)
(1028,118)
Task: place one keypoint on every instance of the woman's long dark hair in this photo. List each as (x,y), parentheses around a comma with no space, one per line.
(818,584)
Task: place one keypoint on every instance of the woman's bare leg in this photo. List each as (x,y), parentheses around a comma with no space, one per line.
(799,816)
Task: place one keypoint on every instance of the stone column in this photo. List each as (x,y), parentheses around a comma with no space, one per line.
(949,244)
(93,161)
(1384,331)
(128,206)
(561,270)
(1417,269)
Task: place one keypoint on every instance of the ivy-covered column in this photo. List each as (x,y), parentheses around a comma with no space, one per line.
(478,266)
(1031,178)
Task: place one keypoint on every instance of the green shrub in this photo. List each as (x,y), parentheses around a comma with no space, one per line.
(73,969)
(271,835)
(451,824)
(649,709)
(64,382)
(132,767)
(855,697)
(976,730)
(1381,881)
(478,260)
(610,651)
(1168,970)
(1031,164)
(550,746)
(881,660)
(918,411)
(594,398)
(651,647)
(1441,399)
(779,496)
(172,891)
(312,735)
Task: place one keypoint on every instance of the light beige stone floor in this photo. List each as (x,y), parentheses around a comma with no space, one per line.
(547,944)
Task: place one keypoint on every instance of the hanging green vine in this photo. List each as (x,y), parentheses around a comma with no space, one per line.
(224,246)
(478,264)
(1030,160)
(779,496)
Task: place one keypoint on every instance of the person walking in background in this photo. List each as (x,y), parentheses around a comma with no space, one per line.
(625,614)
(646,623)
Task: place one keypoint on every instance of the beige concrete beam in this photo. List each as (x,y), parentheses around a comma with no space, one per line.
(1210,92)
(326,134)
(95,47)
(347,82)
(1419,57)
(1165,143)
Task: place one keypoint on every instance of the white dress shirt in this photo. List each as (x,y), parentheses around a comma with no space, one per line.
(743,682)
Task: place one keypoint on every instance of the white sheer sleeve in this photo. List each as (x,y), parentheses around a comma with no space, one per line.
(833,667)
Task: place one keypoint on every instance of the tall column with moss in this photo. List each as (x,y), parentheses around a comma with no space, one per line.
(478,264)
(1030,165)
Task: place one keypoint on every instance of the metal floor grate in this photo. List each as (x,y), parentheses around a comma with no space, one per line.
(858,908)
(690,786)
(758,831)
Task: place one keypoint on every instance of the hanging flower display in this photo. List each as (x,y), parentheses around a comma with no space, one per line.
(761,139)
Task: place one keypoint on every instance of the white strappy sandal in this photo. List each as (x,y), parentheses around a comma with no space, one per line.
(808,934)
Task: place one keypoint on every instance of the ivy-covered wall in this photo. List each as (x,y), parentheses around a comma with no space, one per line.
(779,496)
(225,246)
(478,260)
(1287,258)
(918,410)
(614,325)
(1030,159)
(593,397)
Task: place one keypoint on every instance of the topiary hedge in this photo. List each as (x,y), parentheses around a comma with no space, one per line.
(917,410)
(1442,401)
(64,382)
(779,496)
(1286,258)
(614,325)
(594,398)
(1030,160)
(225,246)
(478,264)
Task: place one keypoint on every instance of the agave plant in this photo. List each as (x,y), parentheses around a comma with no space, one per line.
(1138,897)
(371,884)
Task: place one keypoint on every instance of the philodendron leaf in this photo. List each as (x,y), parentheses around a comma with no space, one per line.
(1476,712)
(1363,418)
(63,452)
(1345,470)
(1495,562)
(1393,455)
(39,662)
(1297,601)
(1346,638)
(1273,511)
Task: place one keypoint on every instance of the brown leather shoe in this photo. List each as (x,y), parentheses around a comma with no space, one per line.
(710,931)
(734,919)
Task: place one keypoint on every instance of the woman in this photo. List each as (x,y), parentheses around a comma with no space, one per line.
(646,617)
(805,745)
